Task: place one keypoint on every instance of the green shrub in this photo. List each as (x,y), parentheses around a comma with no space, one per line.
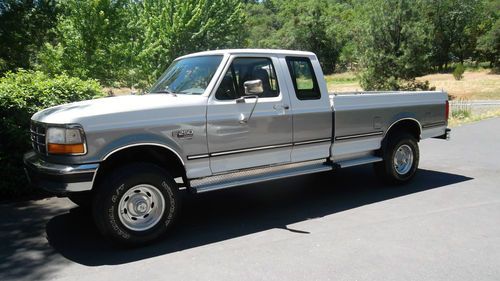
(415,85)
(458,73)
(22,94)
(392,84)
(461,114)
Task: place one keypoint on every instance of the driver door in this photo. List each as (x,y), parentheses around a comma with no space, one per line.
(238,138)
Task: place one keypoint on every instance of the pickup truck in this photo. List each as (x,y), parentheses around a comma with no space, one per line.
(220,119)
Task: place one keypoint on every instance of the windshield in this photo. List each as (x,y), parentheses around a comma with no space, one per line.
(187,76)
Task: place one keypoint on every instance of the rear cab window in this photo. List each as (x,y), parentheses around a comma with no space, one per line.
(303,78)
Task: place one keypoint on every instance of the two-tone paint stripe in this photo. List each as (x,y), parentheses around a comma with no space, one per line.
(435,124)
(260,148)
(357,136)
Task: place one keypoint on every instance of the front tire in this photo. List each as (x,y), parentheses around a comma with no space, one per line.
(136,204)
(400,159)
(82,199)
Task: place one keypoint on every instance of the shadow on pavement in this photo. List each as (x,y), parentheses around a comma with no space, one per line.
(227,214)
(24,253)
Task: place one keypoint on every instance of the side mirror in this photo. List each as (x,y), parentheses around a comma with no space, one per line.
(253,87)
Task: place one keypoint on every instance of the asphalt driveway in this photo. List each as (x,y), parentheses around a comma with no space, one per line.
(445,225)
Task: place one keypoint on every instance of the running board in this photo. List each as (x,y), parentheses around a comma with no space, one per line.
(360,161)
(250,176)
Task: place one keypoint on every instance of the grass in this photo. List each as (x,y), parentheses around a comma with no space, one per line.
(460,119)
(462,112)
(476,84)
(343,82)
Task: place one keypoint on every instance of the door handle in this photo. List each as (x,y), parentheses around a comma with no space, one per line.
(281,106)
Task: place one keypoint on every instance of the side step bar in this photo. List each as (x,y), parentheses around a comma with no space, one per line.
(360,161)
(268,173)
(258,175)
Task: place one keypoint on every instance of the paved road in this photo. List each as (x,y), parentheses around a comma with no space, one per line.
(476,106)
(478,103)
(445,225)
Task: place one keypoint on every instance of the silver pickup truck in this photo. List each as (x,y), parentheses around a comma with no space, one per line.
(216,120)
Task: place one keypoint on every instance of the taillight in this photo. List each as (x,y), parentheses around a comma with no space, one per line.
(447,110)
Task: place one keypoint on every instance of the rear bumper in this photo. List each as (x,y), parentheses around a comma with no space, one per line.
(57,178)
(446,135)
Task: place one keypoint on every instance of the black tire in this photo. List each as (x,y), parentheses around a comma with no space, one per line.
(82,199)
(110,192)
(386,169)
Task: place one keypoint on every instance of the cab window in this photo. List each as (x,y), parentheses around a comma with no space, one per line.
(246,69)
(303,78)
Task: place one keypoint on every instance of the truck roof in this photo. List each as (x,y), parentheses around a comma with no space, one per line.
(250,51)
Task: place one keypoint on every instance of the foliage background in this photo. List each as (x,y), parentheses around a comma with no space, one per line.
(21,95)
(72,48)
(130,42)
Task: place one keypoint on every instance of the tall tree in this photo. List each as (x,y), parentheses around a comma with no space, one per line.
(90,40)
(24,26)
(488,44)
(312,25)
(454,29)
(170,28)
(393,44)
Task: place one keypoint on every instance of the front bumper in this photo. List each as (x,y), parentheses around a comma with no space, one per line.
(58,178)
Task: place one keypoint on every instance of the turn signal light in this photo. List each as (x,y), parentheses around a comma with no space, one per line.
(55,148)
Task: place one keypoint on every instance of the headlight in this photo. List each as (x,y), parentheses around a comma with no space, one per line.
(65,140)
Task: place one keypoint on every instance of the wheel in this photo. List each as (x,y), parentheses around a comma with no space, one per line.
(82,199)
(400,159)
(136,204)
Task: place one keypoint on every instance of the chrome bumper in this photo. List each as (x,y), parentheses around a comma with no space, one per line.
(59,178)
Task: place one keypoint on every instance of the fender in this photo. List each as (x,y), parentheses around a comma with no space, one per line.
(403,119)
(143,144)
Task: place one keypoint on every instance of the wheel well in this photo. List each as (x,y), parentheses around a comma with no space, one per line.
(410,126)
(145,153)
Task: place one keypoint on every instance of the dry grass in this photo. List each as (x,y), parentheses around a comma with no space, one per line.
(475,85)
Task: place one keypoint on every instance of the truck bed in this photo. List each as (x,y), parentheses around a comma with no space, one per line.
(361,119)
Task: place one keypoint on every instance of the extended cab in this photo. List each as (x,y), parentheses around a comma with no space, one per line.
(220,119)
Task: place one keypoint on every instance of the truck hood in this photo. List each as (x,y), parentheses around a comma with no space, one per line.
(119,109)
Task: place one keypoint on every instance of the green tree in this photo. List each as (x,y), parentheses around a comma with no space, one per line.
(90,40)
(24,27)
(312,25)
(488,44)
(392,44)
(455,29)
(167,29)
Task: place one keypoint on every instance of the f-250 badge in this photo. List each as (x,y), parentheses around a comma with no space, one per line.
(183,134)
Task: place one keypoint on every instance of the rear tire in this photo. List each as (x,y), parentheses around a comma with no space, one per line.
(136,204)
(400,159)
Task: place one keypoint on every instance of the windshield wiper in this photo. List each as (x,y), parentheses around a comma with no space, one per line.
(166,91)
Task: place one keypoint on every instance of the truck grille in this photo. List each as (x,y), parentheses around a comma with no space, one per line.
(37,135)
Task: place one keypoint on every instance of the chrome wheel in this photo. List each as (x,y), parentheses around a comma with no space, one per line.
(403,159)
(141,207)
